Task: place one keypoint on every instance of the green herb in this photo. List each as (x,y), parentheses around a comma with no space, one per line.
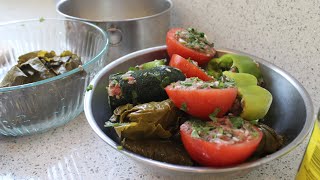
(185,83)
(221,85)
(133,68)
(213,115)
(110,124)
(204,86)
(194,39)
(119,147)
(255,133)
(41,19)
(114,82)
(254,122)
(184,107)
(237,122)
(195,134)
(220,130)
(89,88)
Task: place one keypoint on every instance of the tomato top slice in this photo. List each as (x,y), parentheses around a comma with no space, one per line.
(224,142)
(188,67)
(189,44)
(200,99)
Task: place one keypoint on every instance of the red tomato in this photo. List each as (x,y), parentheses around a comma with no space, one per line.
(175,47)
(188,68)
(202,102)
(219,154)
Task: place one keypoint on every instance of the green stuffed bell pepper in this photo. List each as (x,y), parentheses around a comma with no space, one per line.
(241,79)
(255,100)
(234,63)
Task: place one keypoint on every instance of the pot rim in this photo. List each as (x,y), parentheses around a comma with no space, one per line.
(113,21)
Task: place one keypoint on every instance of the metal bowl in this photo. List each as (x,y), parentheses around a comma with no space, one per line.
(39,106)
(291,112)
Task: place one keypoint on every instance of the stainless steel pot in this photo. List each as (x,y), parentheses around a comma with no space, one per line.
(131,25)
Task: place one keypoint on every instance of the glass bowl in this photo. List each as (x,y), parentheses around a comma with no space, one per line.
(38,106)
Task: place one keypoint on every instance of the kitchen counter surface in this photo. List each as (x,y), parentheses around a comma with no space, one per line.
(74,151)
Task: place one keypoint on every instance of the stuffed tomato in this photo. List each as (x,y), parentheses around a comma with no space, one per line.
(202,99)
(189,43)
(189,67)
(223,142)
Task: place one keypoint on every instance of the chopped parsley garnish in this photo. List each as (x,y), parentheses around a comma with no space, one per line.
(203,86)
(213,115)
(220,130)
(133,68)
(237,122)
(186,83)
(184,107)
(255,133)
(89,88)
(254,122)
(194,39)
(195,134)
(110,124)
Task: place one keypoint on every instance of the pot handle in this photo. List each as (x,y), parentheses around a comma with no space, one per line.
(115,36)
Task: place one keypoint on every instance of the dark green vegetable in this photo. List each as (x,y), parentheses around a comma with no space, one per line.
(40,65)
(143,121)
(270,142)
(141,86)
(160,150)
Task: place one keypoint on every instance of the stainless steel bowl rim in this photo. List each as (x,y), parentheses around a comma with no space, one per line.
(84,66)
(310,118)
(112,21)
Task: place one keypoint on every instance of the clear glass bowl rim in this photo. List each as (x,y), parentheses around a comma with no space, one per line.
(84,66)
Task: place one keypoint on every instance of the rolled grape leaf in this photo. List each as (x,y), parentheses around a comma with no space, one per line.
(40,65)
(160,150)
(24,58)
(36,70)
(270,142)
(148,120)
(14,77)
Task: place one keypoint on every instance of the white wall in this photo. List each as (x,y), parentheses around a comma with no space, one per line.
(285,32)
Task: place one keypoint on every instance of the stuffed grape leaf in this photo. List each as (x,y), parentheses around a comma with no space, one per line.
(148,120)
(160,150)
(40,65)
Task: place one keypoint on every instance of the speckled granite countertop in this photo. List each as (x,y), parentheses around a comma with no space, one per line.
(282,32)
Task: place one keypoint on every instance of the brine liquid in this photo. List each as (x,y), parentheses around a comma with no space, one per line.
(310,166)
